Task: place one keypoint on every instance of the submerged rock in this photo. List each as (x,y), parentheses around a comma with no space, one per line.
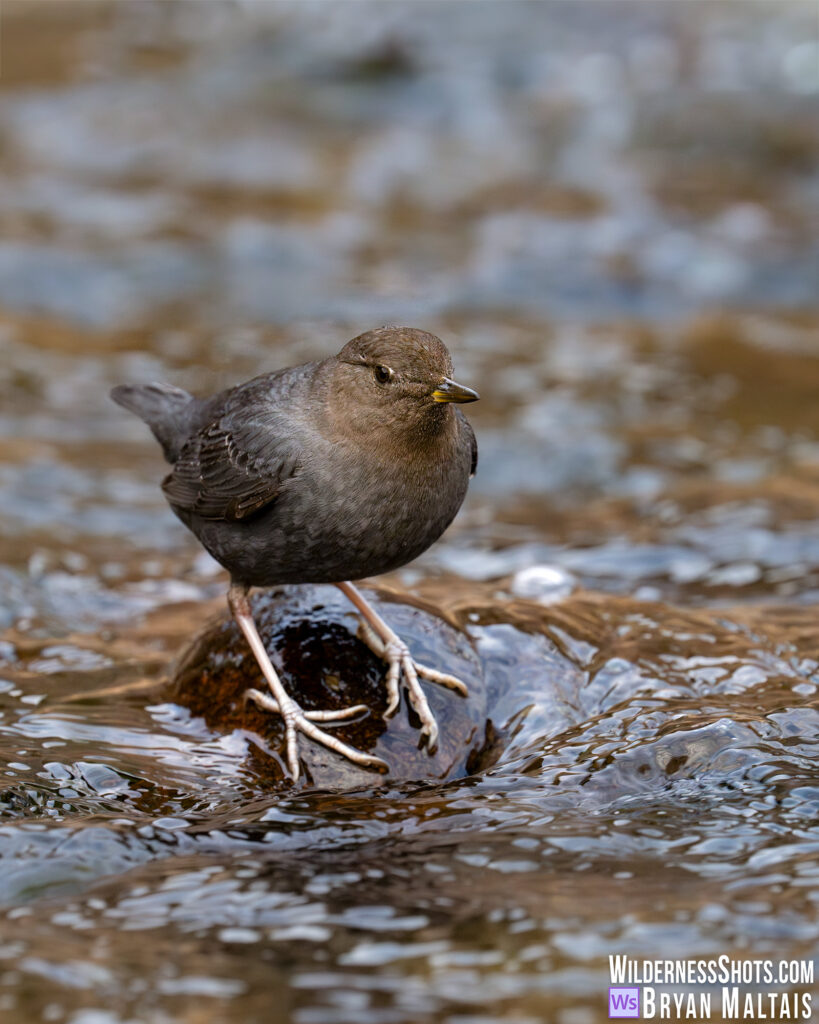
(310,632)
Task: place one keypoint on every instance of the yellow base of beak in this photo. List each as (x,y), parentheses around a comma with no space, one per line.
(450,391)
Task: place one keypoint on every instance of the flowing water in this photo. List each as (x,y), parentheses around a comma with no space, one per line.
(609,212)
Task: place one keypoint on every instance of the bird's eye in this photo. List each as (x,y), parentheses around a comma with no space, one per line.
(382,374)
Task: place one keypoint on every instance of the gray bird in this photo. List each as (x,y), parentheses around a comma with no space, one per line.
(322,473)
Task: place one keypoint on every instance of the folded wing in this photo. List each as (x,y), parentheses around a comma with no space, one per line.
(235,466)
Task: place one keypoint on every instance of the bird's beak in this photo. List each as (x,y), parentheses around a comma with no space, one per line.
(448,391)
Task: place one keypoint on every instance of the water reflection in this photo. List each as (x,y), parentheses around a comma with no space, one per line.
(658,758)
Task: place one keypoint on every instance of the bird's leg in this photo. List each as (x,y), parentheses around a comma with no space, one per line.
(295,719)
(386,643)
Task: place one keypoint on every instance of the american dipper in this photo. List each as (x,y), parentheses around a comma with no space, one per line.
(322,473)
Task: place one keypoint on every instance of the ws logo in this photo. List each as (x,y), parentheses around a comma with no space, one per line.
(624,1002)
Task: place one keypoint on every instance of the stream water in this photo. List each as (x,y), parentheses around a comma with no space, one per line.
(609,213)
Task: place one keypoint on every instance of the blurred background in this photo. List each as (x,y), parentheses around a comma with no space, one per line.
(607,210)
(610,213)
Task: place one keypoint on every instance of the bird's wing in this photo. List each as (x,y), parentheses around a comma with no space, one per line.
(473,441)
(236,465)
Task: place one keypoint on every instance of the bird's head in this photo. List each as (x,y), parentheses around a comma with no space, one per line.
(400,373)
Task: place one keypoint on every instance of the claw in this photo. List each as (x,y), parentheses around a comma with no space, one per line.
(269,703)
(393,692)
(442,679)
(296,720)
(386,644)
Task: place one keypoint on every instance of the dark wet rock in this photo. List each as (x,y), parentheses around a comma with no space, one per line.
(310,633)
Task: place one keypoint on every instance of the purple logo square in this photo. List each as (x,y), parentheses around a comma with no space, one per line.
(624,1002)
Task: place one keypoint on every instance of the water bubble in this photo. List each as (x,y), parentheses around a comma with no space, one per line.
(543,583)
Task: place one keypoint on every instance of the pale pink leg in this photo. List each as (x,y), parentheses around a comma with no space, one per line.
(384,642)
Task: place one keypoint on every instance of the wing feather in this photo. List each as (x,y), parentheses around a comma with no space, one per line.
(473,441)
(236,465)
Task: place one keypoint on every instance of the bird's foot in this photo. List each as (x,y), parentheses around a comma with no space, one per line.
(399,661)
(297,720)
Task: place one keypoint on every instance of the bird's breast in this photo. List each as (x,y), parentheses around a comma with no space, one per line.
(369,514)
(345,515)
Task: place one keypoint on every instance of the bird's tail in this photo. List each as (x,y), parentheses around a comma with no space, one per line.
(166,409)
